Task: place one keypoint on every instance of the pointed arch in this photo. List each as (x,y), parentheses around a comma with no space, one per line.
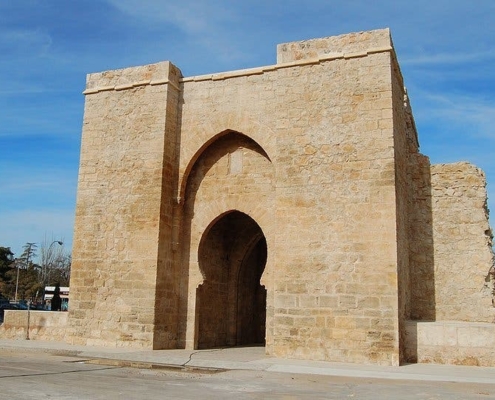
(216,139)
(231,174)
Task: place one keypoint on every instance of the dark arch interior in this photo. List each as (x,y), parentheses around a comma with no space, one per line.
(231,303)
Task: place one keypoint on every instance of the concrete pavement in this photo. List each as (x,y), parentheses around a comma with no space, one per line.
(254,359)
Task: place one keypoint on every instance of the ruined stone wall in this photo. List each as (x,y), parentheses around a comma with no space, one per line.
(123,209)
(462,244)
(451,252)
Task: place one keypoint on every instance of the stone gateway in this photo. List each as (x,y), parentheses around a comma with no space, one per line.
(286,206)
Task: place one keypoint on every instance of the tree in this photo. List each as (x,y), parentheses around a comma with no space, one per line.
(60,271)
(28,254)
(21,273)
(28,284)
(55,263)
(29,277)
(6,260)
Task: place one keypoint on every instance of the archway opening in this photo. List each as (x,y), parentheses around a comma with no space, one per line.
(231,302)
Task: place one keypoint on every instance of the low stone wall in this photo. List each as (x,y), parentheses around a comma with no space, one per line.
(43,325)
(445,342)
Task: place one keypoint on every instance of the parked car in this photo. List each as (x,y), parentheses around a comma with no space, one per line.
(19,306)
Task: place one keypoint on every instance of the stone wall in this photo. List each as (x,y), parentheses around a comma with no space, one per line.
(334,46)
(122,239)
(405,148)
(328,210)
(462,244)
(43,325)
(422,263)
(449,342)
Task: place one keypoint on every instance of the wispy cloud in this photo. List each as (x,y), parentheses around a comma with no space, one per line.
(24,42)
(209,25)
(29,184)
(23,191)
(17,88)
(191,16)
(474,115)
(31,115)
(448,58)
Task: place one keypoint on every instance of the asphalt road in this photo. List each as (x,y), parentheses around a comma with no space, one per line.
(37,375)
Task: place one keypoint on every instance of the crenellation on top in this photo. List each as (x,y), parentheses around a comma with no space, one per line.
(307,52)
(117,75)
(126,78)
(358,42)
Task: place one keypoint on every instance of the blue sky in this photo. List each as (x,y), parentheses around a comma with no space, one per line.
(445,48)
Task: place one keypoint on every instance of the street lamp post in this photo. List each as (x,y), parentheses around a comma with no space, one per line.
(29,315)
(17,280)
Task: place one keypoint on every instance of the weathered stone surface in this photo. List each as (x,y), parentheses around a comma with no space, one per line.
(462,241)
(285,204)
(121,289)
(349,45)
(449,342)
(43,325)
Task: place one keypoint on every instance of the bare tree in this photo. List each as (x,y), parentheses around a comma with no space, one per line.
(60,272)
(53,260)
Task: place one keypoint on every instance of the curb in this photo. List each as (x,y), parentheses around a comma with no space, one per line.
(152,365)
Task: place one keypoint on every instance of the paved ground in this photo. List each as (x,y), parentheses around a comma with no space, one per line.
(26,375)
(33,369)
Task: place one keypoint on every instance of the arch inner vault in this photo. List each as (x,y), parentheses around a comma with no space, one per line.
(231,302)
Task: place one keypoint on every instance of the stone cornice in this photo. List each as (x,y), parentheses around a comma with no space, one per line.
(131,85)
